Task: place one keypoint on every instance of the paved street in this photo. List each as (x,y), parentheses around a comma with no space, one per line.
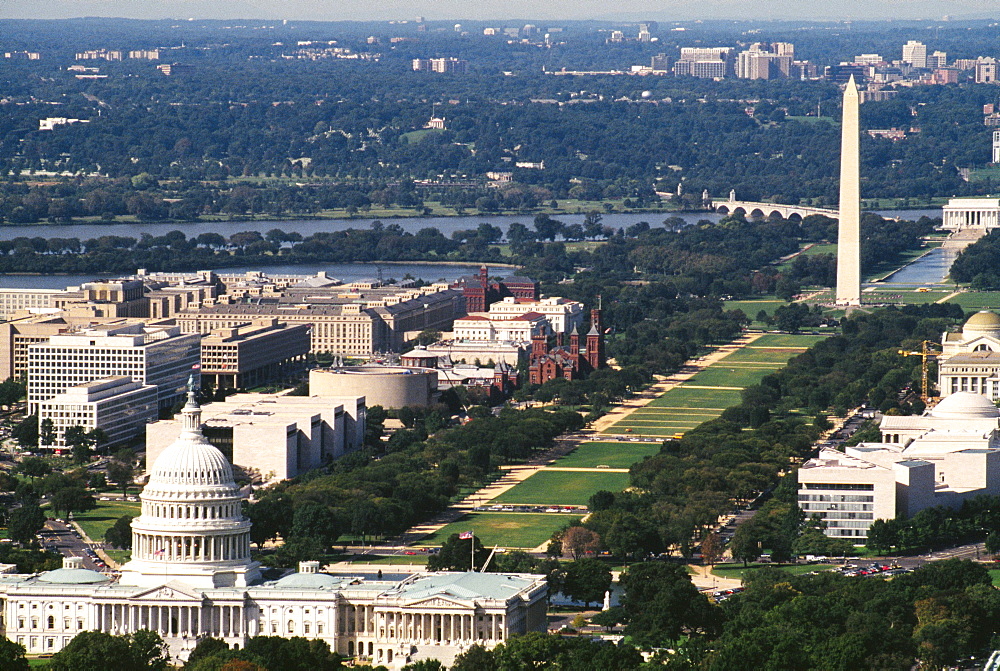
(61,537)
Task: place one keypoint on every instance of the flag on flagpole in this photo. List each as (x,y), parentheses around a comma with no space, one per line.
(158,552)
(465,535)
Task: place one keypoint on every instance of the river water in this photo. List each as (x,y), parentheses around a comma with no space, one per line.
(357,271)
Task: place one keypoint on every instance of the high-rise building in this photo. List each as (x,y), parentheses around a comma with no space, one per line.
(116,405)
(915,53)
(938,59)
(996,146)
(160,356)
(986,70)
(849,224)
(705,62)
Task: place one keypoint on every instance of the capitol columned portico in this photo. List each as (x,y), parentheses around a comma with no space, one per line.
(191,577)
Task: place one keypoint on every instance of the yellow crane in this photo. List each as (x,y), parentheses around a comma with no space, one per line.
(925,354)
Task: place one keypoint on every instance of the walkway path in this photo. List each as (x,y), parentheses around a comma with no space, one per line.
(514,475)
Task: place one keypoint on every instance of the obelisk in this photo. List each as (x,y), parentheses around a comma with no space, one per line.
(849,226)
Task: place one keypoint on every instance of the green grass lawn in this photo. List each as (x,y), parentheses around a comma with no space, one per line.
(751,308)
(390,559)
(786,340)
(509,530)
(563,488)
(680,397)
(905,296)
(736,571)
(721,375)
(977,300)
(97,521)
(615,455)
(762,355)
(995,576)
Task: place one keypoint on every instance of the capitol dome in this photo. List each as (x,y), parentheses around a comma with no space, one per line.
(192,525)
(983,322)
(965,405)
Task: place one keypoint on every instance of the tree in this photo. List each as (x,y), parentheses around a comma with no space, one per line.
(586,580)
(579,541)
(456,554)
(139,651)
(33,467)
(26,432)
(119,534)
(610,618)
(711,548)
(12,656)
(476,658)
(746,544)
(121,474)
(662,603)
(425,665)
(315,521)
(25,522)
(72,499)
(46,432)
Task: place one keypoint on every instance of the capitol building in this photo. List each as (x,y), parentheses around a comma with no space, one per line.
(191,577)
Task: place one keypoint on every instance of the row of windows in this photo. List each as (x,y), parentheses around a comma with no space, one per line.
(838,486)
(837,498)
(838,506)
(838,515)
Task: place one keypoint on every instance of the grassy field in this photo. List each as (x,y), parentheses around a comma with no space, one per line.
(786,340)
(97,521)
(764,355)
(615,455)
(904,296)
(977,300)
(723,375)
(751,308)
(563,488)
(509,530)
(686,406)
(391,559)
(702,399)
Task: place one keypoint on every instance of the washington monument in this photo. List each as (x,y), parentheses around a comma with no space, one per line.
(849,226)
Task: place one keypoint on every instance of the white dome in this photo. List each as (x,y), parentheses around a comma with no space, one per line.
(191,461)
(965,405)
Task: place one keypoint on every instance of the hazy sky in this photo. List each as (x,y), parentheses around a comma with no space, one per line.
(662,10)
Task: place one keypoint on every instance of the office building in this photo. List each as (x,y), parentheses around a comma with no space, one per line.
(705,62)
(358,319)
(986,70)
(161,356)
(117,405)
(253,354)
(915,53)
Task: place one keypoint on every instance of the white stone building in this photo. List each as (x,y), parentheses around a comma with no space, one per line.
(191,577)
(156,355)
(518,328)
(970,358)
(118,406)
(278,436)
(562,314)
(947,455)
(971,213)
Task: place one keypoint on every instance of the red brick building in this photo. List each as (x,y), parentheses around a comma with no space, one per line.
(479,291)
(572,363)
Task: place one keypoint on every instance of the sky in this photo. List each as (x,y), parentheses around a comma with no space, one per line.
(362,10)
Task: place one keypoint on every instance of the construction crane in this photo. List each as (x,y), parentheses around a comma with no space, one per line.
(925,354)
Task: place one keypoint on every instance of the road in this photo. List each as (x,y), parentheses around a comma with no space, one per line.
(61,538)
